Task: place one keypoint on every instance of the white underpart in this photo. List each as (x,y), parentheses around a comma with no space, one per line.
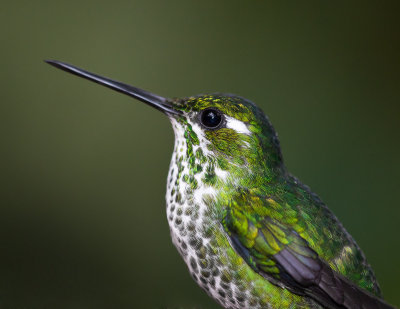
(196,198)
(202,190)
(237,125)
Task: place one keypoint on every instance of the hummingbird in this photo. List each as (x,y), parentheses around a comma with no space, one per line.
(252,235)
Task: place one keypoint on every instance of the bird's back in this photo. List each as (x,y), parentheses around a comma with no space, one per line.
(326,235)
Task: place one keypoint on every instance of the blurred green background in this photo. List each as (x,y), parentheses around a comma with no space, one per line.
(82,213)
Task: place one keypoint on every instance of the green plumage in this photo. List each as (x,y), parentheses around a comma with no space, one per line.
(251,234)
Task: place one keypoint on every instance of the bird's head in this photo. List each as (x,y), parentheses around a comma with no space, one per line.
(228,128)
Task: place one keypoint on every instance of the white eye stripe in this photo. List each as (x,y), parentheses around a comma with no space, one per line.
(237,125)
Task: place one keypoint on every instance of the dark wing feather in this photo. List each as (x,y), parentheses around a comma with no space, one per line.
(322,283)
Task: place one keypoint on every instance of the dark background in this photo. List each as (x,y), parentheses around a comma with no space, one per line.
(83,169)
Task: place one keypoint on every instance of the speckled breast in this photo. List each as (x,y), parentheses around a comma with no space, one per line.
(195,229)
(192,235)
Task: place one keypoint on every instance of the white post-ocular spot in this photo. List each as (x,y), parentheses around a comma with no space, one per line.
(237,125)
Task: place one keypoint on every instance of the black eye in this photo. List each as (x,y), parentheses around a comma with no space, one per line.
(211,118)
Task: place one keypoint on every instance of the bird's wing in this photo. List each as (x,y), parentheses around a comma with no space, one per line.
(270,244)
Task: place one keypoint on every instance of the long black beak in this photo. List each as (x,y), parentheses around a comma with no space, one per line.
(160,103)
